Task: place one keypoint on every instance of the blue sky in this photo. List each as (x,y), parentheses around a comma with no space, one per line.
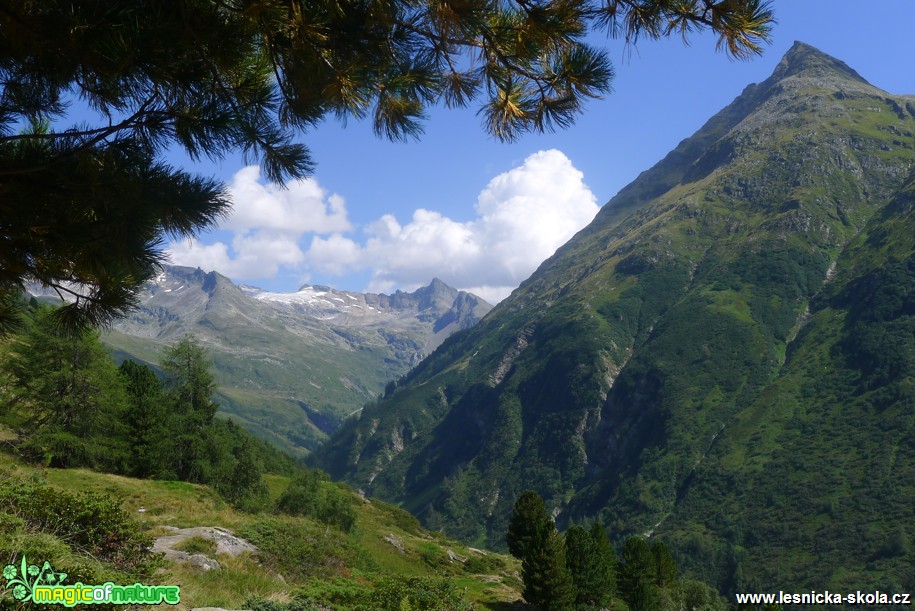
(481,215)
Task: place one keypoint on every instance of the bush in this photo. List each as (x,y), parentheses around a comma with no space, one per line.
(91,523)
(260,604)
(297,549)
(308,495)
(484,565)
(417,594)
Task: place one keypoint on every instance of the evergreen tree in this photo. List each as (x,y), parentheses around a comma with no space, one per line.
(581,555)
(532,538)
(233,466)
(547,581)
(70,391)
(637,568)
(148,432)
(645,596)
(605,567)
(528,523)
(592,564)
(190,388)
(665,567)
(86,206)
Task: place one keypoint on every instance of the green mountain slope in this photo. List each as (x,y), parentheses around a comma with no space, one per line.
(291,366)
(673,367)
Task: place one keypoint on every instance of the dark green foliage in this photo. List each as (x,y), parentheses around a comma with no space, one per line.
(303,494)
(698,595)
(71,391)
(665,567)
(310,494)
(189,386)
(637,569)
(645,596)
(532,538)
(547,581)
(80,410)
(229,461)
(592,564)
(89,522)
(203,449)
(528,524)
(417,593)
(147,423)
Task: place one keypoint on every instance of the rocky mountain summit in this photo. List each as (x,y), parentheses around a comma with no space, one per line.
(290,366)
(723,359)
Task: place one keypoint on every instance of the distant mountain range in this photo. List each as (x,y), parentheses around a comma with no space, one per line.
(724,358)
(291,366)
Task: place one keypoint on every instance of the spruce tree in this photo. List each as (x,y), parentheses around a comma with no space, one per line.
(665,566)
(190,388)
(146,420)
(547,581)
(637,568)
(528,523)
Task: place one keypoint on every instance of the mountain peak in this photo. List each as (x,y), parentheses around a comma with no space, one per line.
(803,59)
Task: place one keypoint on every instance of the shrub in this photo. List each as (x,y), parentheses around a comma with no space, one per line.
(417,594)
(89,522)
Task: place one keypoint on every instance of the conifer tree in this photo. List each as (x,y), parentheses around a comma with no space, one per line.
(190,388)
(665,566)
(85,206)
(605,566)
(532,538)
(69,390)
(580,560)
(528,523)
(547,580)
(637,568)
(644,597)
(148,432)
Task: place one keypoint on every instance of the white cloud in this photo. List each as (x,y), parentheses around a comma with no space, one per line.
(303,206)
(268,222)
(523,216)
(334,255)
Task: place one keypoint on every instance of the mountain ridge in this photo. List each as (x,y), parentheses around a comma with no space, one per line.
(290,366)
(610,380)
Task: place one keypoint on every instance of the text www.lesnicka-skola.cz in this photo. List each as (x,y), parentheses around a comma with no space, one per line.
(825,598)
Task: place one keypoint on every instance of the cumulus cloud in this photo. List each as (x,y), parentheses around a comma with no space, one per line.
(523,216)
(303,206)
(268,222)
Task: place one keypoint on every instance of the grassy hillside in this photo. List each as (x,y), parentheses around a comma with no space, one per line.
(299,559)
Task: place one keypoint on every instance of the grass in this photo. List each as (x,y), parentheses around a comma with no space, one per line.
(197,545)
(299,556)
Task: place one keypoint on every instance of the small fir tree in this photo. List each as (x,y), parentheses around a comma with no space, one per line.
(528,522)
(637,567)
(665,566)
